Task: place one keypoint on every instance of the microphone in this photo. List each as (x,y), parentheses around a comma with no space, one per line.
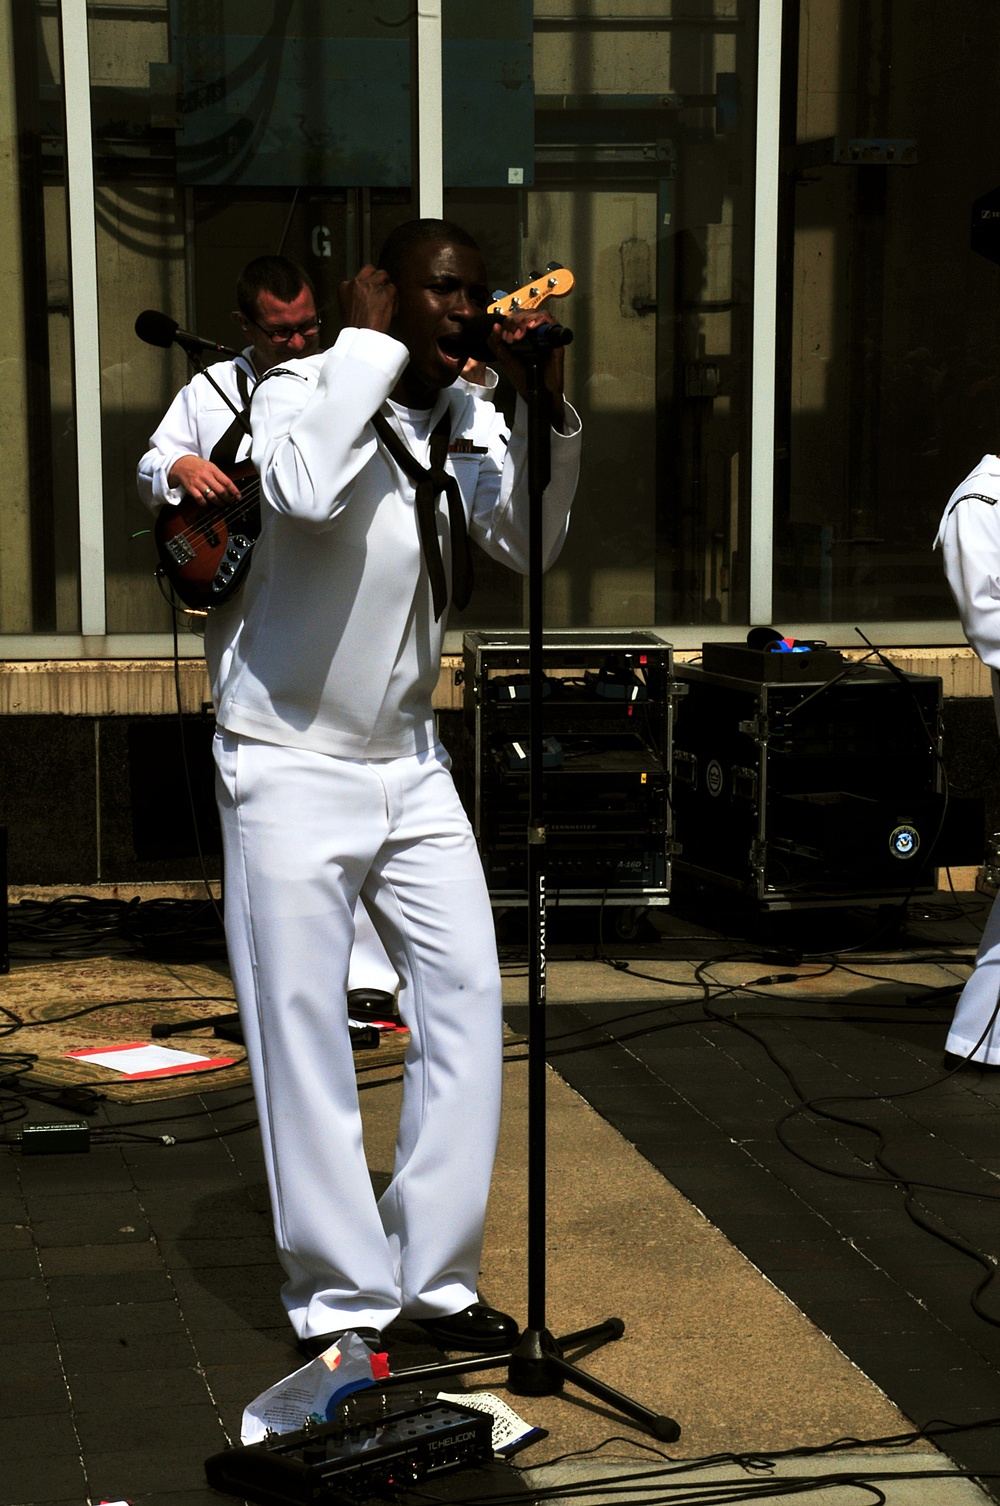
(476,332)
(160,329)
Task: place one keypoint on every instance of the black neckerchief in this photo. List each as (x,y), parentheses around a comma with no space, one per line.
(430,483)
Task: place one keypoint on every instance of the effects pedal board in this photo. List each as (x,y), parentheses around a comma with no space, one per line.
(365,1452)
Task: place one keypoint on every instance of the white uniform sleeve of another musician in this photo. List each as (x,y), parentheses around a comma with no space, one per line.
(176,435)
(310,449)
(500,513)
(969,539)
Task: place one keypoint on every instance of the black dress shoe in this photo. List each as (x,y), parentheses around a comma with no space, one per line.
(318,1343)
(479,1328)
(365,1004)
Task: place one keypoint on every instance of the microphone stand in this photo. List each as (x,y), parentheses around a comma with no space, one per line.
(536,1366)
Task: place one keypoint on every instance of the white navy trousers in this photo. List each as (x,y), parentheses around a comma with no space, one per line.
(304,835)
(975,1028)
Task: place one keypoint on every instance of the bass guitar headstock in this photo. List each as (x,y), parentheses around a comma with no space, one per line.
(554,282)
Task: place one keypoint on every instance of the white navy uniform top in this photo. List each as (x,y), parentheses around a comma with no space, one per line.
(969,539)
(193,425)
(339,651)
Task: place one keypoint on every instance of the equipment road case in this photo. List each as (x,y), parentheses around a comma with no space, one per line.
(809,793)
(608,709)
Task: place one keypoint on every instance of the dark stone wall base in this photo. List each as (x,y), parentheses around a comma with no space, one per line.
(105,799)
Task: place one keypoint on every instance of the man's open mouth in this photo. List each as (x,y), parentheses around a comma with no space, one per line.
(450,347)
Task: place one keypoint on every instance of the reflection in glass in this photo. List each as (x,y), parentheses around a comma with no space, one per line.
(892,350)
(644,186)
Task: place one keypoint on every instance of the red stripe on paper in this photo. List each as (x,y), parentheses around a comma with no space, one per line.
(213,1061)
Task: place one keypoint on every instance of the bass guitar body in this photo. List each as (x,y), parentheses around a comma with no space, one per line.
(205,551)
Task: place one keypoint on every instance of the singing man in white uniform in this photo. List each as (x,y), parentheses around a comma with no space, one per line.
(969,538)
(198,437)
(376,469)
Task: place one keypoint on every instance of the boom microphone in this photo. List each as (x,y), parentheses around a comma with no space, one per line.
(160,329)
(473,341)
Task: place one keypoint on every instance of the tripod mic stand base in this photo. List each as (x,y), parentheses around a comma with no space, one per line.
(537,1368)
(533,1368)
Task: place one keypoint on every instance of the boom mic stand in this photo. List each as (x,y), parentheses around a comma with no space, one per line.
(536,1366)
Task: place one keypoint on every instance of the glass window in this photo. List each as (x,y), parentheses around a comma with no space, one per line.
(644,186)
(215,140)
(891,349)
(39,546)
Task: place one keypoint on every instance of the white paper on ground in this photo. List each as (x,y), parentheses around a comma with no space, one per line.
(141,1059)
(348,1365)
(509,1430)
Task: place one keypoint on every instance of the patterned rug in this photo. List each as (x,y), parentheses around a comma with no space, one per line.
(96,1003)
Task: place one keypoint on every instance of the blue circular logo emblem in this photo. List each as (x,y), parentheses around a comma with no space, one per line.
(904,841)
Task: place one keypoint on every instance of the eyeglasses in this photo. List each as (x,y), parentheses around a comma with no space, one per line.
(285,332)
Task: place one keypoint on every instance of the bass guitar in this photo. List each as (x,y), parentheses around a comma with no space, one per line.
(205,551)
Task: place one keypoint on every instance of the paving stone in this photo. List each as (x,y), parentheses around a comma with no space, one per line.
(10,1181)
(126,1356)
(204,1497)
(15,1237)
(100,1260)
(188,1428)
(31,1361)
(176,1215)
(29,1435)
(195,1253)
(30,1396)
(20,1264)
(164,1386)
(13,1208)
(231,1413)
(246,1346)
(28,1326)
(140,1287)
(23,1294)
(841,1317)
(124,1475)
(240,1383)
(219,1311)
(114,1218)
(118,1322)
(41,1478)
(927,1348)
(194,1166)
(100,1171)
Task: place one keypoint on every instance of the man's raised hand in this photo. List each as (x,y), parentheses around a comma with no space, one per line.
(368,301)
(504,341)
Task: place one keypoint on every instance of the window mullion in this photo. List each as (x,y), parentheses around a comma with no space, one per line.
(84,315)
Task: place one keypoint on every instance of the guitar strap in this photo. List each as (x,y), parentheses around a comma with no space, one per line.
(225,449)
(430,483)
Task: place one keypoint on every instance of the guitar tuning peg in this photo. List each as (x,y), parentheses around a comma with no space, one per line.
(554,266)
(534,276)
(498,295)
